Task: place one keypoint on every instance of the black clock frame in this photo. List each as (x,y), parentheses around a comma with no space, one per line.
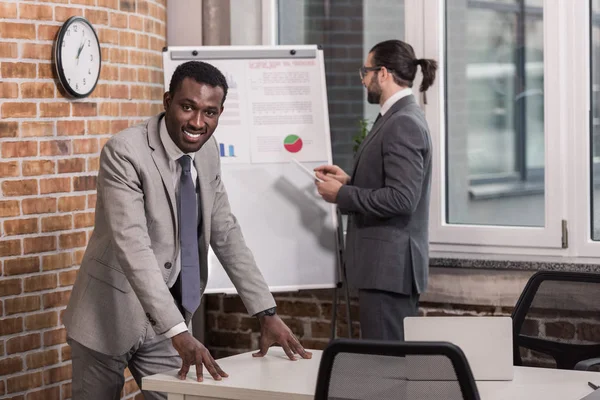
(58,57)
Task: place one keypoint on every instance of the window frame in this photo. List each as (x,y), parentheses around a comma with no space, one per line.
(447,237)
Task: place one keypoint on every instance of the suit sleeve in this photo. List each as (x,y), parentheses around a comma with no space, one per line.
(228,243)
(121,190)
(403,166)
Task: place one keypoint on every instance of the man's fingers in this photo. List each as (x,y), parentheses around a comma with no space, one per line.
(220,371)
(301,352)
(258,354)
(210,366)
(288,351)
(263,349)
(199,373)
(185,367)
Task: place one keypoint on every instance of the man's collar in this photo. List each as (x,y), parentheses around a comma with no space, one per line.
(394,98)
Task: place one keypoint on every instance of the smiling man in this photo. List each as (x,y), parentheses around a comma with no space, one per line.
(160,204)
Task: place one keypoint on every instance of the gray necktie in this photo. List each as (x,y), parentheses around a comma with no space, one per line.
(188,236)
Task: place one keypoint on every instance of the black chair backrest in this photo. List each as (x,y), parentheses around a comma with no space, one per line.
(557,315)
(382,370)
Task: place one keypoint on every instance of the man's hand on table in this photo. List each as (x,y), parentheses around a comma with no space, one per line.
(193,352)
(274,330)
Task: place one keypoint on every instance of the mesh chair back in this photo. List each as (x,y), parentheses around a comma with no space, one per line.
(361,369)
(556,320)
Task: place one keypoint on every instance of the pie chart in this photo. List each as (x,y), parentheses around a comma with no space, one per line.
(292,143)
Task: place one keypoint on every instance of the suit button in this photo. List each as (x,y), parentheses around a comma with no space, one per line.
(168,265)
(152,322)
(148,315)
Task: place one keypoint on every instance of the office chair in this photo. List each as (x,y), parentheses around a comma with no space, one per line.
(382,370)
(558,314)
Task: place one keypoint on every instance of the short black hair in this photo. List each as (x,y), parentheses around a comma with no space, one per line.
(201,72)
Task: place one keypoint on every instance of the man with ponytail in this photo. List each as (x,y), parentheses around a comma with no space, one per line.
(387,195)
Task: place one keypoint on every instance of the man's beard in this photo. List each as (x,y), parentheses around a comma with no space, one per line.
(374,93)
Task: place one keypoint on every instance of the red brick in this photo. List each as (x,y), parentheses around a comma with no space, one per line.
(55,185)
(55,109)
(43,320)
(67,387)
(8,10)
(98,127)
(67,278)
(56,261)
(108,36)
(35,12)
(109,109)
(9,366)
(52,393)
(114,4)
(8,49)
(72,203)
(57,223)
(19,149)
(117,126)
(20,188)
(118,55)
(100,91)
(56,299)
(16,30)
(9,90)
(136,23)
(119,91)
(20,226)
(57,336)
(38,167)
(85,146)
(84,2)
(37,51)
(58,374)
(93,164)
(8,326)
(65,353)
(61,14)
(39,244)
(70,128)
(67,165)
(37,129)
(43,205)
(97,17)
(8,169)
(55,148)
(45,70)
(72,240)
(22,304)
(9,208)
(19,110)
(10,129)
(84,220)
(37,90)
(21,344)
(110,72)
(18,266)
(24,382)
(85,109)
(42,359)
(10,248)
(92,201)
(18,70)
(47,32)
(10,287)
(81,183)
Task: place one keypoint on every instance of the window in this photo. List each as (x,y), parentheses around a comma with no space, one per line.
(595,118)
(495,112)
(346,30)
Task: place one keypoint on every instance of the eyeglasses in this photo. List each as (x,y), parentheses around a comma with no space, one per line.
(363,70)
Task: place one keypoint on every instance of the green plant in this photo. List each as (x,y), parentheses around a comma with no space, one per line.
(363,123)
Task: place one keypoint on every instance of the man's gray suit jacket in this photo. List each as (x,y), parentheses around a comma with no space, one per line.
(387,201)
(121,285)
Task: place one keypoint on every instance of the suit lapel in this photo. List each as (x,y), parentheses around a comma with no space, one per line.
(204,190)
(400,104)
(161,160)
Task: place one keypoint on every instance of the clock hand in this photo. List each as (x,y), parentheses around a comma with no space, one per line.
(80,48)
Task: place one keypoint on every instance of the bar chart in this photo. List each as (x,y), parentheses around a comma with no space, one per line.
(230,150)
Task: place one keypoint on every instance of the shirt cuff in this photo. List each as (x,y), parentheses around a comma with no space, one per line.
(176,330)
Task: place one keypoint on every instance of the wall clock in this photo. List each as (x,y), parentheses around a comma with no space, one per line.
(77,57)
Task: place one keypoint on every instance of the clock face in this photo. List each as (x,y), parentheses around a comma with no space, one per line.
(77,55)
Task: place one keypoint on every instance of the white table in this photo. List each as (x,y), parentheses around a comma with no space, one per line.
(276,377)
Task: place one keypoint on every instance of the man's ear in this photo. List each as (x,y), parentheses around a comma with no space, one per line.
(166,100)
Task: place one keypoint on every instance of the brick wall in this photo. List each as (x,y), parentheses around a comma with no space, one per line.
(230,331)
(49,149)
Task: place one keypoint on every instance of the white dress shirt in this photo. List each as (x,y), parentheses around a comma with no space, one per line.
(393,99)
(174,154)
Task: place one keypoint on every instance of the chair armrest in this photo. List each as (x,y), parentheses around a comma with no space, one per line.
(585,365)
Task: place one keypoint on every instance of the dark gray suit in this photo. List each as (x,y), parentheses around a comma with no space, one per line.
(387,201)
